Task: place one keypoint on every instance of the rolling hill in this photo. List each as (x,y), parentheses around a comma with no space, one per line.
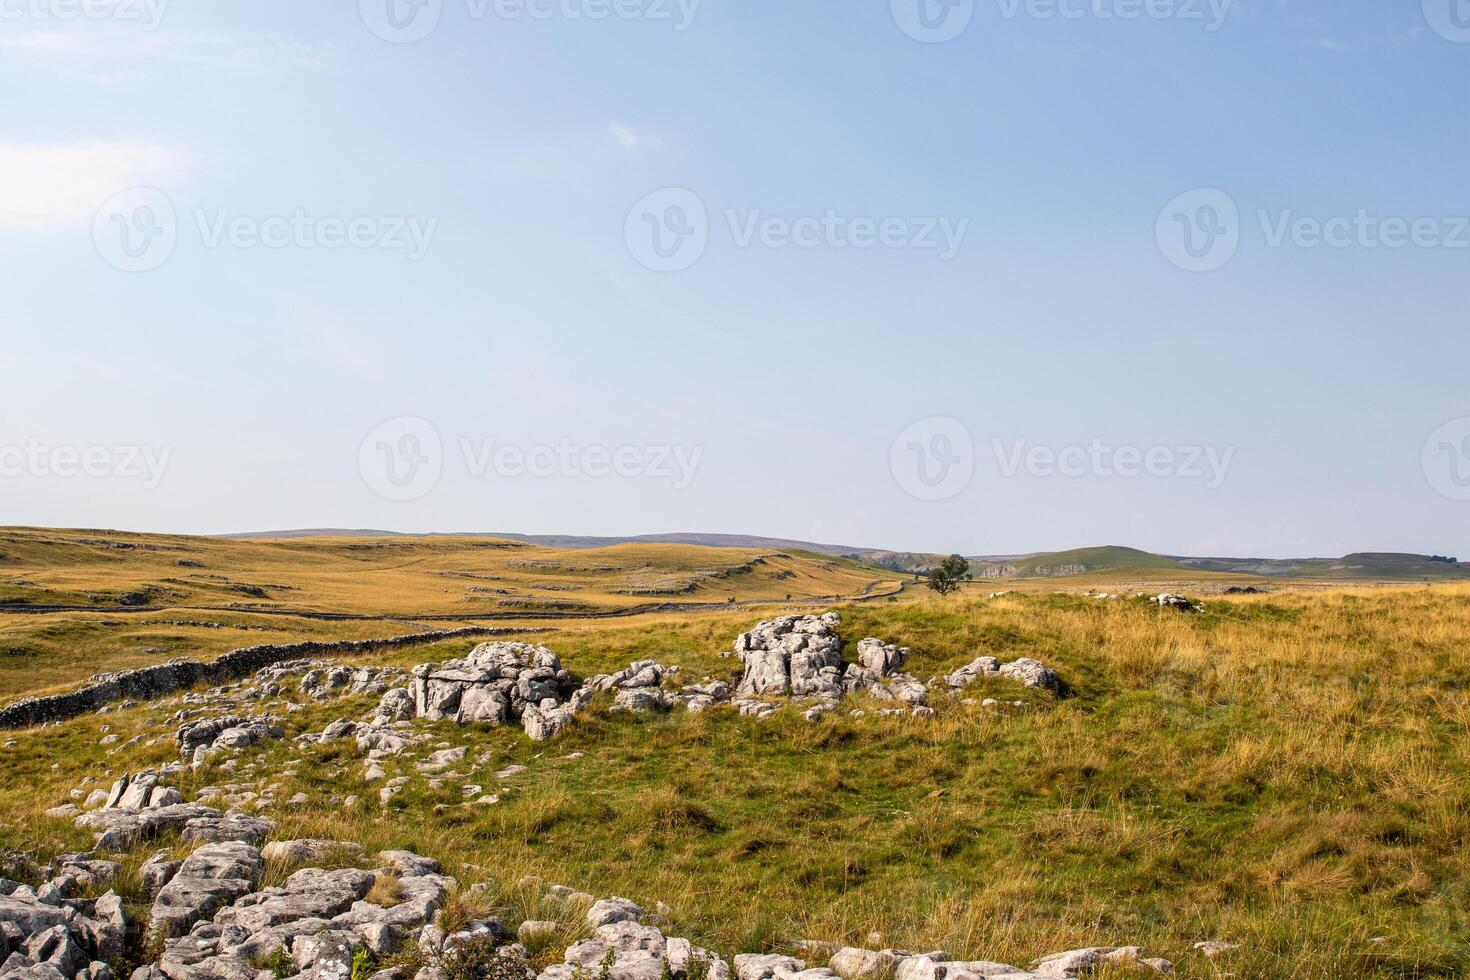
(1080,561)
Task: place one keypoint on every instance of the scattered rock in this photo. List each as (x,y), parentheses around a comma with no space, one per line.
(610,910)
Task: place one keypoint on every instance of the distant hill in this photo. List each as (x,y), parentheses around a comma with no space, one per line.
(576,540)
(1080,561)
(1378,566)
(1366,566)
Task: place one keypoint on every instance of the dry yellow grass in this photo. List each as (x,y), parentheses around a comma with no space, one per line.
(204,596)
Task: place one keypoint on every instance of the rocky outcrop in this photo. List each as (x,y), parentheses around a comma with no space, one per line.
(121,830)
(626,949)
(637,688)
(1031,673)
(143,790)
(207,880)
(492,685)
(497,684)
(502,683)
(198,740)
(322,679)
(801,656)
(58,936)
(315,924)
(1056,966)
(142,805)
(51,931)
(792,655)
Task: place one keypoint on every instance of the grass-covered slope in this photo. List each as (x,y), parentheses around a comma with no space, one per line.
(73,603)
(1286,772)
(1079,561)
(1362,566)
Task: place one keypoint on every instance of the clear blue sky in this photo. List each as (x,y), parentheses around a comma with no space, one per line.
(784,375)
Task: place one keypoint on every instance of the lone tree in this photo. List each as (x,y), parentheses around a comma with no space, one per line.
(950,574)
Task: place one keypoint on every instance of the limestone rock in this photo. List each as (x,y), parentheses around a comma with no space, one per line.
(1032,673)
(306,850)
(610,910)
(207,880)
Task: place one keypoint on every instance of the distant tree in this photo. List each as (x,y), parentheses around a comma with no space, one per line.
(949,575)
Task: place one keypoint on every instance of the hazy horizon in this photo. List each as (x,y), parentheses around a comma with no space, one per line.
(327,530)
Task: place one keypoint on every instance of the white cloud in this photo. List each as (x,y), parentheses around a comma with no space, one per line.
(626,137)
(50,185)
(630,139)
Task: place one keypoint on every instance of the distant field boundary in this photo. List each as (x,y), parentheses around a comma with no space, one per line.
(176,675)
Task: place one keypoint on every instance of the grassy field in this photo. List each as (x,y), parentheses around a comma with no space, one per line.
(1290,772)
(125,600)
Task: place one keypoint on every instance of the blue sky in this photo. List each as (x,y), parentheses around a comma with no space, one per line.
(1297,397)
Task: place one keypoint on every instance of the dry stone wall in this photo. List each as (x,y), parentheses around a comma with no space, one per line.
(156,681)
